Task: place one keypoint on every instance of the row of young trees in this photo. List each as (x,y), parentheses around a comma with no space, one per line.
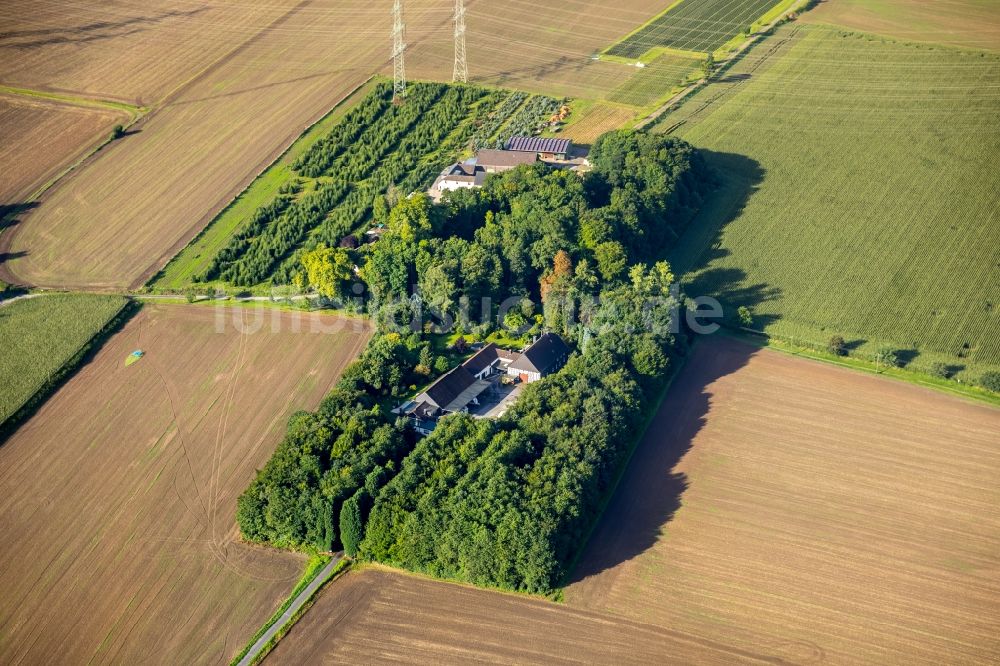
(390,149)
(503,503)
(490,125)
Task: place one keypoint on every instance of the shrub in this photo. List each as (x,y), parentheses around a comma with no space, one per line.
(886,356)
(117,132)
(990,381)
(746,317)
(939,370)
(837,346)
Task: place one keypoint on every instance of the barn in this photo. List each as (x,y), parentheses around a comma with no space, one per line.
(546,148)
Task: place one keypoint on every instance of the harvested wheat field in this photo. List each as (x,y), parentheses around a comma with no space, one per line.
(118,497)
(778,503)
(128,50)
(971,24)
(118,219)
(549,48)
(39,138)
(382,616)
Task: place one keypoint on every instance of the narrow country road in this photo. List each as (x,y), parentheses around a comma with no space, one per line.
(301,599)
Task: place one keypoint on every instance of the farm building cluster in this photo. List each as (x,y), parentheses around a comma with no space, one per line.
(485,383)
(518,150)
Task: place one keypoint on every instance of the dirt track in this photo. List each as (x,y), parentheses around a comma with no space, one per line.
(118,497)
(787,505)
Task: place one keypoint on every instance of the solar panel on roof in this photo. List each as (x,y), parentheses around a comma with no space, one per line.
(534,144)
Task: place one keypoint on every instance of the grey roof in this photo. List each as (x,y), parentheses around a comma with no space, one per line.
(542,355)
(536,144)
(488,157)
(447,388)
(484,358)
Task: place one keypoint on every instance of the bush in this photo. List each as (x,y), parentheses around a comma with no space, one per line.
(746,317)
(117,132)
(837,346)
(990,381)
(939,370)
(886,356)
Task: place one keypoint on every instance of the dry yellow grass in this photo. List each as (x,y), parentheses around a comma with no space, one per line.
(795,508)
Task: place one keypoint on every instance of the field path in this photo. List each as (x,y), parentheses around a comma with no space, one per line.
(293,608)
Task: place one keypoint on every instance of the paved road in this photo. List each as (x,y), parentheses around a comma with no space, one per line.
(303,596)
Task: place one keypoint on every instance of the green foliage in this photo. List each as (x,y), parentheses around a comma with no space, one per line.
(504,503)
(746,317)
(886,357)
(42,337)
(352,522)
(837,346)
(117,132)
(939,370)
(990,381)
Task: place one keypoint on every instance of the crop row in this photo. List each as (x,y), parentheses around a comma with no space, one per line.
(495,120)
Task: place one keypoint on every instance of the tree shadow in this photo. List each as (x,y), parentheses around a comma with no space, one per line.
(651,489)
(854,345)
(906,356)
(88,32)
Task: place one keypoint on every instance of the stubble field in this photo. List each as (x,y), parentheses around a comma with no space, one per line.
(789,506)
(965,23)
(382,616)
(39,137)
(118,497)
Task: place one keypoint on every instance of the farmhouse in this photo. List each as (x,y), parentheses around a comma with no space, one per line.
(546,148)
(461,389)
(546,355)
(461,175)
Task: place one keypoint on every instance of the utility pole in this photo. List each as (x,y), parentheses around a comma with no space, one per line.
(461,71)
(398,47)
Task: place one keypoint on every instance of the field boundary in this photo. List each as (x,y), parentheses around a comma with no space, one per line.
(733,52)
(812,350)
(177,255)
(76,100)
(604,51)
(258,647)
(674,371)
(86,352)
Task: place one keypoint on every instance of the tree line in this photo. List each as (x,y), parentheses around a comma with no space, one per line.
(503,503)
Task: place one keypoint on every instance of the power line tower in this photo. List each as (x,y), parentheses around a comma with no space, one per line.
(461,71)
(398,47)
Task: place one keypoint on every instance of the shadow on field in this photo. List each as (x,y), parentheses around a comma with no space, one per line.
(88,32)
(651,489)
(701,246)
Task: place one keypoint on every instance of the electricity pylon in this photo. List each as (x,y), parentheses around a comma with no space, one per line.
(398,47)
(461,71)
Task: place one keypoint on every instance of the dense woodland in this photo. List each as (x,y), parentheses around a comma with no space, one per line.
(503,503)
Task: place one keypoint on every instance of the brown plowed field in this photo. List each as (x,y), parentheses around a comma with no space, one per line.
(777,501)
(377,616)
(38,138)
(119,218)
(117,499)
